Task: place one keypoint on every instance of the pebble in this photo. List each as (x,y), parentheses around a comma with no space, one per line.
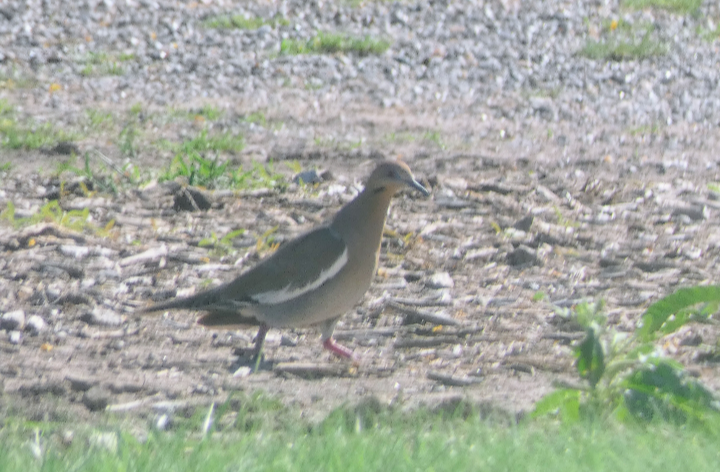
(523,256)
(308,177)
(444,53)
(13,320)
(15,337)
(35,324)
(162,422)
(96,398)
(440,280)
(102,317)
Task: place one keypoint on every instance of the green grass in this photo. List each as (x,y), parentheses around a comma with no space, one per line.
(622,41)
(679,6)
(256,117)
(17,80)
(242,22)
(102,63)
(207,112)
(98,120)
(217,143)
(29,135)
(349,441)
(330,43)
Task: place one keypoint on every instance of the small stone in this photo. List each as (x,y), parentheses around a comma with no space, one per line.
(67,437)
(243,371)
(691,214)
(191,199)
(107,441)
(35,324)
(524,224)
(286,340)
(163,422)
(15,337)
(102,317)
(81,384)
(96,399)
(399,17)
(308,177)
(692,339)
(13,320)
(523,256)
(440,280)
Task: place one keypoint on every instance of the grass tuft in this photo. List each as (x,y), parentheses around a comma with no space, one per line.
(242,22)
(331,43)
(678,6)
(622,41)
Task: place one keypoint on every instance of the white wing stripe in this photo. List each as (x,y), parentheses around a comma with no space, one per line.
(276,297)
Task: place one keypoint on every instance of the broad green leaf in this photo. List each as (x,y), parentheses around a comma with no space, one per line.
(227,239)
(590,358)
(565,402)
(659,312)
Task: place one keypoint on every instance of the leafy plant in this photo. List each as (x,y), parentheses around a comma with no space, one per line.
(198,170)
(221,246)
(627,375)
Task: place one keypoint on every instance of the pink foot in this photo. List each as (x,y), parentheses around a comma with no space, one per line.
(339,350)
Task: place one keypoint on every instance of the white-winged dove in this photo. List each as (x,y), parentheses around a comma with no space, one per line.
(313,279)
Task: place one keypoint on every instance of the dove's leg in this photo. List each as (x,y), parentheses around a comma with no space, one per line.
(259,343)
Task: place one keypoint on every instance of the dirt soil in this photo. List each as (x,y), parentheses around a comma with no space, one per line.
(525,215)
(626,225)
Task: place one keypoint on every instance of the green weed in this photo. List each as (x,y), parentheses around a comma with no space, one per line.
(256,117)
(331,43)
(435,137)
(99,119)
(678,6)
(206,112)
(198,170)
(99,181)
(102,63)
(627,375)
(259,176)
(242,22)
(624,41)
(218,143)
(221,246)
(126,140)
(266,242)
(14,135)
(52,212)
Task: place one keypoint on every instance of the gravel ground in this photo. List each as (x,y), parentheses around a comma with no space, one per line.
(490,102)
